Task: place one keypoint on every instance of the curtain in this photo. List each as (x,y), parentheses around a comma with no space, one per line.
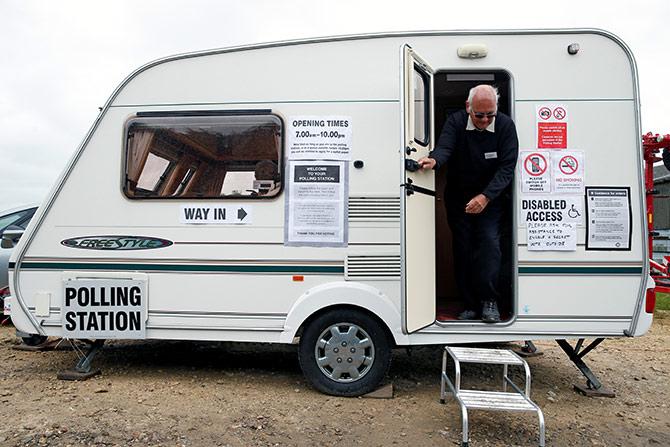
(138,153)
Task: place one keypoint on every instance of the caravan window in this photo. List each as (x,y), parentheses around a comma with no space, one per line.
(421,110)
(224,156)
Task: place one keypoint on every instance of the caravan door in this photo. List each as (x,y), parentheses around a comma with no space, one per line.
(417,195)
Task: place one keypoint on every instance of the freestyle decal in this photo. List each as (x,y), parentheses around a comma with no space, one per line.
(116,242)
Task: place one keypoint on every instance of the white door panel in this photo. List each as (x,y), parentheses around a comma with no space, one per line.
(418,196)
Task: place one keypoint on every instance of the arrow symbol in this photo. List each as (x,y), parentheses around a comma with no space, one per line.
(241,214)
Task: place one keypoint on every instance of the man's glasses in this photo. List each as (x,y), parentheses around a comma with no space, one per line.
(482,115)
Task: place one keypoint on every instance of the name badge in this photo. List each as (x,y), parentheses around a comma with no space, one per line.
(489,155)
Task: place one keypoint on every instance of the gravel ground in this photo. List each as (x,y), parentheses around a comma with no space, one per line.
(223,394)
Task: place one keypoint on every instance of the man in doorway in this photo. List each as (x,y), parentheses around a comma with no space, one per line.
(480,147)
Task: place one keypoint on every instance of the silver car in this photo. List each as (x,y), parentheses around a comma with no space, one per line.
(12,224)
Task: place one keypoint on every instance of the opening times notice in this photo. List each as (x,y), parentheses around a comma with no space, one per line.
(319,138)
(608,216)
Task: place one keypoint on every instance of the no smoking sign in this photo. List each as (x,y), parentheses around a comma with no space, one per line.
(568,168)
(568,165)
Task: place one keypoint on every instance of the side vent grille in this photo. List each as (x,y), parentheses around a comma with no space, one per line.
(358,267)
(374,208)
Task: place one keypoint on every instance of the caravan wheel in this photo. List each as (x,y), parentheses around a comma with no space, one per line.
(344,353)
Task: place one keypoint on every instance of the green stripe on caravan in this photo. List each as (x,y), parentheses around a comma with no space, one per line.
(324,269)
(333,270)
(580,270)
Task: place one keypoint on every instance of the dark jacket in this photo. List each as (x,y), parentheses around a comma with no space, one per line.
(478,162)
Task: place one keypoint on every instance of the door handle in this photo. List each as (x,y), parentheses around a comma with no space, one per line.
(411,188)
(412,165)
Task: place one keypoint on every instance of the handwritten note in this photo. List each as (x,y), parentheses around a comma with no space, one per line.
(552,236)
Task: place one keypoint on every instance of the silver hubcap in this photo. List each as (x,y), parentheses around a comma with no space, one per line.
(344,352)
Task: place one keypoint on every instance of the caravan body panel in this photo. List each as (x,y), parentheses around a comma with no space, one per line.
(242,282)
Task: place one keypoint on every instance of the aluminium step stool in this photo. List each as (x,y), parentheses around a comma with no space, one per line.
(517,400)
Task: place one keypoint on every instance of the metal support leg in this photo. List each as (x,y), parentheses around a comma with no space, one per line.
(466,436)
(541,418)
(442,378)
(530,347)
(593,386)
(84,364)
(82,369)
(505,378)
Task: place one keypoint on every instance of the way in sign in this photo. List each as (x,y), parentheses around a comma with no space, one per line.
(203,213)
(221,214)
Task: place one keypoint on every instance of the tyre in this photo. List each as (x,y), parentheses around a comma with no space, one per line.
(34,339)
(344,353)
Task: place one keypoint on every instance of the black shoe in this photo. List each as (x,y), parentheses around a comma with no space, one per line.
(490,312)
(467,315)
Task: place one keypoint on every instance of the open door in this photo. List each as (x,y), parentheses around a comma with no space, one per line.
(417,195)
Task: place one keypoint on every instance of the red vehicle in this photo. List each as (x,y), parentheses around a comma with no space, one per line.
(654,145)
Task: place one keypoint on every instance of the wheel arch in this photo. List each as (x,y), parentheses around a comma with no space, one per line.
(344,295)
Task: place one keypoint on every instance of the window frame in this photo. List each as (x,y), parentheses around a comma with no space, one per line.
(417,69)
(21,218)
(202,113)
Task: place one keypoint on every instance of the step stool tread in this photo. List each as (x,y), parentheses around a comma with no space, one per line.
(483,355)
(495,400)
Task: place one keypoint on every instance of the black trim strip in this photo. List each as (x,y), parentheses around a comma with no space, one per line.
(171,113)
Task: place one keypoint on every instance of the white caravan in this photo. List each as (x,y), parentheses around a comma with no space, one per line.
(261,194)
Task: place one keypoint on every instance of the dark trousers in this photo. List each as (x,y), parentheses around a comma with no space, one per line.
(477,257)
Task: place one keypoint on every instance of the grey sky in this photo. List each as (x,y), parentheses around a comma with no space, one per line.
(60,60)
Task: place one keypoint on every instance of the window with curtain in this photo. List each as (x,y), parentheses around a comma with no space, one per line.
(212,156)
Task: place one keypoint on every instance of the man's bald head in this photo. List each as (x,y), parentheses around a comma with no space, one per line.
(483,91)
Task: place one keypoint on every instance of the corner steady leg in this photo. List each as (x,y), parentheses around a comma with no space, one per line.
(593,387)
(528,349)
(82,370)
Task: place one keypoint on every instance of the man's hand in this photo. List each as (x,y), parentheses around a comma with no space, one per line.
(477,204)
(426,163)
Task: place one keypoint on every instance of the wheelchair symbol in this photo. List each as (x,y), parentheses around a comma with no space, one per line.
(573,213)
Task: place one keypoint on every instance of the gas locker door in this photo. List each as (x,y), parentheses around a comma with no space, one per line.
(417,195)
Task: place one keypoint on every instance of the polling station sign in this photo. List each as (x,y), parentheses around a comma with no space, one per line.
(104,308)
(316,212)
